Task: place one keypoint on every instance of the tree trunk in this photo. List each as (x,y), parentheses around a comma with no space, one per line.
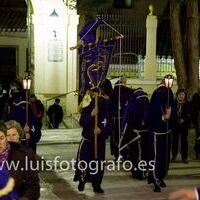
(193,46)
(177,44)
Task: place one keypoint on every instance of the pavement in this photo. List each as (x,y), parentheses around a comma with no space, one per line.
(60,136)
(58,184)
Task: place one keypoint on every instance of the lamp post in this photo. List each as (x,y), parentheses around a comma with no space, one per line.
(169,79)
(26,86)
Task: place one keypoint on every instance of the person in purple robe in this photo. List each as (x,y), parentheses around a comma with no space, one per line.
(89,168)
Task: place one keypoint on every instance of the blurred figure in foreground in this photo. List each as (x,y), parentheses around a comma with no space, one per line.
(7,185)
(185,194)
(26,180)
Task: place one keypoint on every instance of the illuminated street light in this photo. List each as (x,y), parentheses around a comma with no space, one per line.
(26,83)
(169,79)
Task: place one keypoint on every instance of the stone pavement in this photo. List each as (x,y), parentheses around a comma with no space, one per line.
(58,136)
(118,185)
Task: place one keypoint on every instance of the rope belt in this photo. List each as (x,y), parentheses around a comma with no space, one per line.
(165,133)
(139,131)
(133,140)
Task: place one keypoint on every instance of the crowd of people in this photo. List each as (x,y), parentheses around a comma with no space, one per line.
(140,129)
(20,131)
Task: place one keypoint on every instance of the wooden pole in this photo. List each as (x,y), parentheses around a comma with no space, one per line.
(26,106)
(96,108)
(95,126)
(26,113)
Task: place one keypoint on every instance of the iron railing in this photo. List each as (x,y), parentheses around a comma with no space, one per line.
(132,65)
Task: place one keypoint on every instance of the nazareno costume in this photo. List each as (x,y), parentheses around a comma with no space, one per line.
(135,133)
(85,155)
(160,140)
(18,113)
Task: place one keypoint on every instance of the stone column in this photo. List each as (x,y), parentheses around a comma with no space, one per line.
(72,68)
(150,66)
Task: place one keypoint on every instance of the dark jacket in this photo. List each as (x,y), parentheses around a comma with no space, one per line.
(183,113)
(87,121)
(161,98)
(195,109)
(125,94)
(55,111)
(26,180)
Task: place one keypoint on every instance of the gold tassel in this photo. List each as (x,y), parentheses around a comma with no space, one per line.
(8,188)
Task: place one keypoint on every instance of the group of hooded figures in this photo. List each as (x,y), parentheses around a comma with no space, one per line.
(14,106)
(139,130)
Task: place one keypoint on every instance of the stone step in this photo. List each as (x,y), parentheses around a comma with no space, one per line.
(60,136)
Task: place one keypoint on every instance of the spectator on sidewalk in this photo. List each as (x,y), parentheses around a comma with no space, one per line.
(181,126)
(55,113)
(37,109)
(15,132)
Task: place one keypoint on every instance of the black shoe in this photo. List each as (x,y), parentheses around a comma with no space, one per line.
(156,188)
(98,189)
(81,186)
(162,184)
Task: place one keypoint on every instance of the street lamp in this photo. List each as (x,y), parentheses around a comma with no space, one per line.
(169,79)
(26,83)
